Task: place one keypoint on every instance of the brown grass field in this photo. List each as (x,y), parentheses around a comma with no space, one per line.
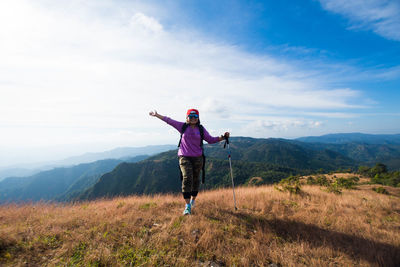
(356,228)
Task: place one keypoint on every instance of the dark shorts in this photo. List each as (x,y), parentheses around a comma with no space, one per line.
(190,168)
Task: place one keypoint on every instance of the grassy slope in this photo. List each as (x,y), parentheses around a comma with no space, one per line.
(359,227)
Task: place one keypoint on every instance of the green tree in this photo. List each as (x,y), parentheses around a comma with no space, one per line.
(364,170)
(379,168)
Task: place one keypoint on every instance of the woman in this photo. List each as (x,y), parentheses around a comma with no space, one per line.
(190,153)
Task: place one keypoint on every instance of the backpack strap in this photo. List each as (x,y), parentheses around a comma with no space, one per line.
(184,127)
(203,170)
(201,128)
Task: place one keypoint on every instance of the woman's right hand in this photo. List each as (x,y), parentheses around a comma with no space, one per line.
(153,113)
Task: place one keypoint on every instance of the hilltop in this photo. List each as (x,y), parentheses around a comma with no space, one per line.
(356,228)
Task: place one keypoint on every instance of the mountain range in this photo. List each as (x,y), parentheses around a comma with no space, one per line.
(343,138)
(57,184)
(366,149)
(268,159)
(23,170)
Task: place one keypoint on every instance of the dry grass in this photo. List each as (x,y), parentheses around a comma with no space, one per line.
(357,228)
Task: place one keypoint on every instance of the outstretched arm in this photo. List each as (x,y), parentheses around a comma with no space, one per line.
(176,124)
(155,114)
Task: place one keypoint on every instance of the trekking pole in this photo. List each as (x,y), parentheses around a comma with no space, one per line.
(230,166)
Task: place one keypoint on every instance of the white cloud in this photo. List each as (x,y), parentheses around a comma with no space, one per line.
(278,126)
(74,72)
(380,16)
(146,22)
(340,115)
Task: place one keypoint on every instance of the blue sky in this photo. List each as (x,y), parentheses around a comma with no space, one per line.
(81,76)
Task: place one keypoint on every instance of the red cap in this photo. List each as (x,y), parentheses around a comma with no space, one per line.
(192,111)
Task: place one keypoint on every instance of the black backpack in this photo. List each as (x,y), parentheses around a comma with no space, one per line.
(201,128)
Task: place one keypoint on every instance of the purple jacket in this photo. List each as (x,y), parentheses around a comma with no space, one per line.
(190,144)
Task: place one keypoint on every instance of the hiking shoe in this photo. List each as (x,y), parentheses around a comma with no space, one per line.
(187,210)
(192,203)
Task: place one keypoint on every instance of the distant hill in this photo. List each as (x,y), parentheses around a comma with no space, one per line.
(281,152)
(270,159)
(24,170)
(342,138)
(17,172)
(366,149)
(117,153)
(57,183)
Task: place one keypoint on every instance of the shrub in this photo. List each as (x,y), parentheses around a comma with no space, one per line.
(380,175)
(379,168)
(391,179)
(290,184)
(322,180)
(363,170)
(347,183)
(334,188)
(311,180)
(380,190)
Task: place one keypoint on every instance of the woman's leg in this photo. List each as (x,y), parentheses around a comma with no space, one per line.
(187,174)
(197,164)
